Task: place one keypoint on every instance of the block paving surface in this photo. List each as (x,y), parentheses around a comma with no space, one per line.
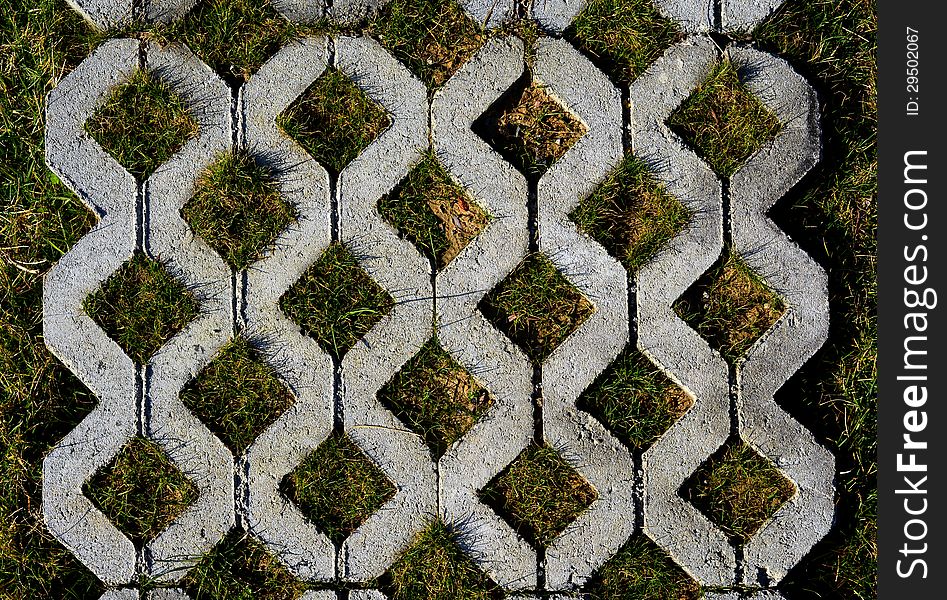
(531,399)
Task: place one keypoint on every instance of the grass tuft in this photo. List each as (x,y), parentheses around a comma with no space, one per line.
(436,397)
(723,121)
(237,209)
(433,212)
(530,128)
(623,36)
(240,568)
(142,124)
(338,487)
(335,301)
(334,120)
(539,493)
(536,306)
(635,399)
(141,491)
(631,214)
(433,38)
(435,568)
(642,570)
(738,489)
(141,306)
(730,306)
(237,395)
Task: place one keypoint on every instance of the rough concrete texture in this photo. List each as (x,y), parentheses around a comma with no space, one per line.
(729,400)
(744,15)
(105,14)
(702,16)
(748,595)
(490,13)
(555,15)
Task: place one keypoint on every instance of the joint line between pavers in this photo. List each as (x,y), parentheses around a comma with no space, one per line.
(718,15)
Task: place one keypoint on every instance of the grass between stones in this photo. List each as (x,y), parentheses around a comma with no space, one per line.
(432,211)
(141,306)
(642,570)
(142,124)
(338,487)
(536,306)
(631,215)
(539,493)
(335,301)
(436,397)
(237,395)
(738,489)
(334,120)
(622,36)
(635,400)
(723,121)
(141,491)
(435,568)
(237,209)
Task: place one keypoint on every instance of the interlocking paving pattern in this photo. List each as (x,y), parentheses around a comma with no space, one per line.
(526,400)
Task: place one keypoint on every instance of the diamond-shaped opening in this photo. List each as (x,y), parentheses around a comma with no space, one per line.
(240,567)
(142,124)
(730,306)
(623,37)
(237,208)
(432,211)
(337,487)
(529,127)
(237,395)
(635,400)
(334,120)
(644,571)
(738,489)
(335,301)
(536,307)
(141,306)
(433,38)
(631,214)
(436,397)
(539,494)
(435,567)
(141,491)
(723,121)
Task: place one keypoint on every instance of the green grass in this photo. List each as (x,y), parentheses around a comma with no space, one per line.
(142,124)
(237,395)
(141,306)
(536,306)
(240,568)
(433,38)
(730,306)
(335,301)
(530,128)
(642,570)
(540,494)
(141,491)
(738,489)
(338,487)
(622,36)
(631,214)
(723,121)
(237,209)
(635,400)
(436,397)
(435,568)
(432,211)
(334,120)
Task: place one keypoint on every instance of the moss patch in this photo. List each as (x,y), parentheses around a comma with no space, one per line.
(338,487)
(536,306)
(724,121)
(142,124)
(237,209)
(237,395)
(141,306)
(141,491)
(539,493)
(631,214)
